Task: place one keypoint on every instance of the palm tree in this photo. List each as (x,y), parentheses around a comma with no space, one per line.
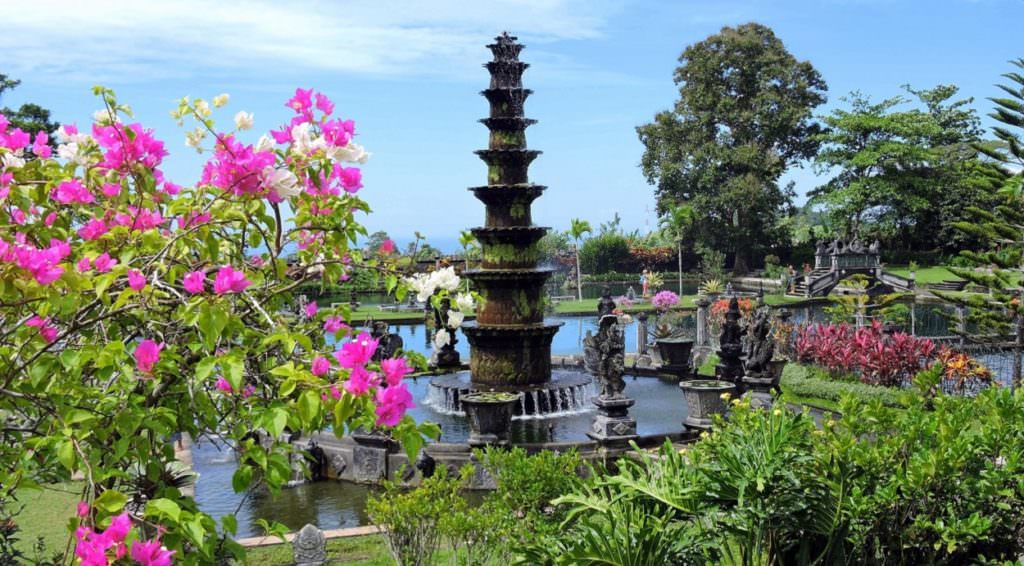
(577,228)
(469,244)
(677,224)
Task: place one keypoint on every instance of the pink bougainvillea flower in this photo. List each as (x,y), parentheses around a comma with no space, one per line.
(324,104)
(41,146)
(335,392)
(339,132)
(224,385)
(320,366)
(360,380)
(72,192)
(147,354)
(301,102)
(125,146)
(151,553)
(83,509)
(46,330)
(238,169)
(356,353)
(310,309)
(394,370)
(119,527)
(333,324)
(103,263)
(229,280)
(387,247)
(84,264)
(136,280)
(17,216)
(248,391)
(195,282)
(50,219)
(191,219)
(111,190)
(171,188)
(392,403)
(351,178)
(93,229)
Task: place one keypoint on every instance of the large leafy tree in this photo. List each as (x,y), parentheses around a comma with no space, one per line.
(999,228)
(903,175)
(29,117)
(744,115)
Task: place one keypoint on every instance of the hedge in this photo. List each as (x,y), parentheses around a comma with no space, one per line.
(811,382)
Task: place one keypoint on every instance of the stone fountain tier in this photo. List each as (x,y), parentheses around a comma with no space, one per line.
(508,166)
(512,297)
(509,247)
(506,102)
(508,205)
(568,392)
(514,355)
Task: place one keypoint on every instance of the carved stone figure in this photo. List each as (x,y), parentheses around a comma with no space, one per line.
(760,346)
(874,247)
(605,358)
(446,355)
(310,547)
(822,248)
(605,305)
(730,345)
(388,343)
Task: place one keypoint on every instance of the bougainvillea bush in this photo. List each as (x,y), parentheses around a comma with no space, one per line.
(875,357)
(133,309)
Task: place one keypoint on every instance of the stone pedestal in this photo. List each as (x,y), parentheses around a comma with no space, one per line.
(704,400)
(370,456)
(758,391)
(613,423)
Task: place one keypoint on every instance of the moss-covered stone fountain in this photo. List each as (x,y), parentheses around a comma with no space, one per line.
(510,342)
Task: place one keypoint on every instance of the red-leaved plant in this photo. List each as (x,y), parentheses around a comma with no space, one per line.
(878,358)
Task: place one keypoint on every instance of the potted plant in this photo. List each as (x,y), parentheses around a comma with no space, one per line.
(490,416)
(674,346)
(711,288)
(704,399)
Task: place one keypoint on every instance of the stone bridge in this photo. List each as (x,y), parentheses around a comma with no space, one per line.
(840,259)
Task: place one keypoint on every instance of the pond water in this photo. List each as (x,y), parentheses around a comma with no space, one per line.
(660,409)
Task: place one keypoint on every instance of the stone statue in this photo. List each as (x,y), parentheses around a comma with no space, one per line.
(605,305)
(446,355)
(310,547)
(388,343)
(605,358)
(604,355)
(760,346)
(630,294)
(856,247)
(833,247)
(874,247)
(822,248)
(730,345)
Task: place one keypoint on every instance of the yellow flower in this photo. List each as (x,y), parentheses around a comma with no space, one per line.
(221,100)
(777,412)
(704,435)
(725,396)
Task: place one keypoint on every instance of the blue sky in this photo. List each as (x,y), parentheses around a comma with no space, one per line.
(409,73)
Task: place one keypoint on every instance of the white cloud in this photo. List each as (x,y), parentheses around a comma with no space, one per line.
(146,39)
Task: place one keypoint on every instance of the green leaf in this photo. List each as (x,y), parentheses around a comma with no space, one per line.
(75,416)
(286,388)
(412,442)
(233,367)
(66,454)
(164,508)
(343,411)
(212,321)
(309,406)
(205,367)
(241,479)
(111,501)
(230,524)
(276,422)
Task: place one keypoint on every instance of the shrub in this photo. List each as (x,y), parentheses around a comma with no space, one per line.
(604,252)
(936,481)
(527,485)
(812,382)
(879,359)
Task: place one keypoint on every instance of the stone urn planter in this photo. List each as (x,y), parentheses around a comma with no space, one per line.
(704,399)
(675,354)
(490,416)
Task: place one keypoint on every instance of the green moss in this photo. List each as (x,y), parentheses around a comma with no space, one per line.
(510,254)
(519,211)
(493,174)
(507,139)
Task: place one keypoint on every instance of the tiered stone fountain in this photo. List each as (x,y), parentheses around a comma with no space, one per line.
(510,343)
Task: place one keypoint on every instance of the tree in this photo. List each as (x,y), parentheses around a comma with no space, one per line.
(374,241)
(470,247)
(29,117)
(677,223)
(132,309)
(903,175)
(1000,229)
(577,228)
(744,115)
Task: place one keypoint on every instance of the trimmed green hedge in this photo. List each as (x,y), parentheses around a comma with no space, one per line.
(809,382)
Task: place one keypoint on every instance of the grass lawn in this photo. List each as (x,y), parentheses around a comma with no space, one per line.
(589,306)
(45,513)
(926,275)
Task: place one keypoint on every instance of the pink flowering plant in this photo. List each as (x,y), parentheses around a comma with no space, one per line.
(133,308)
(875,357)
